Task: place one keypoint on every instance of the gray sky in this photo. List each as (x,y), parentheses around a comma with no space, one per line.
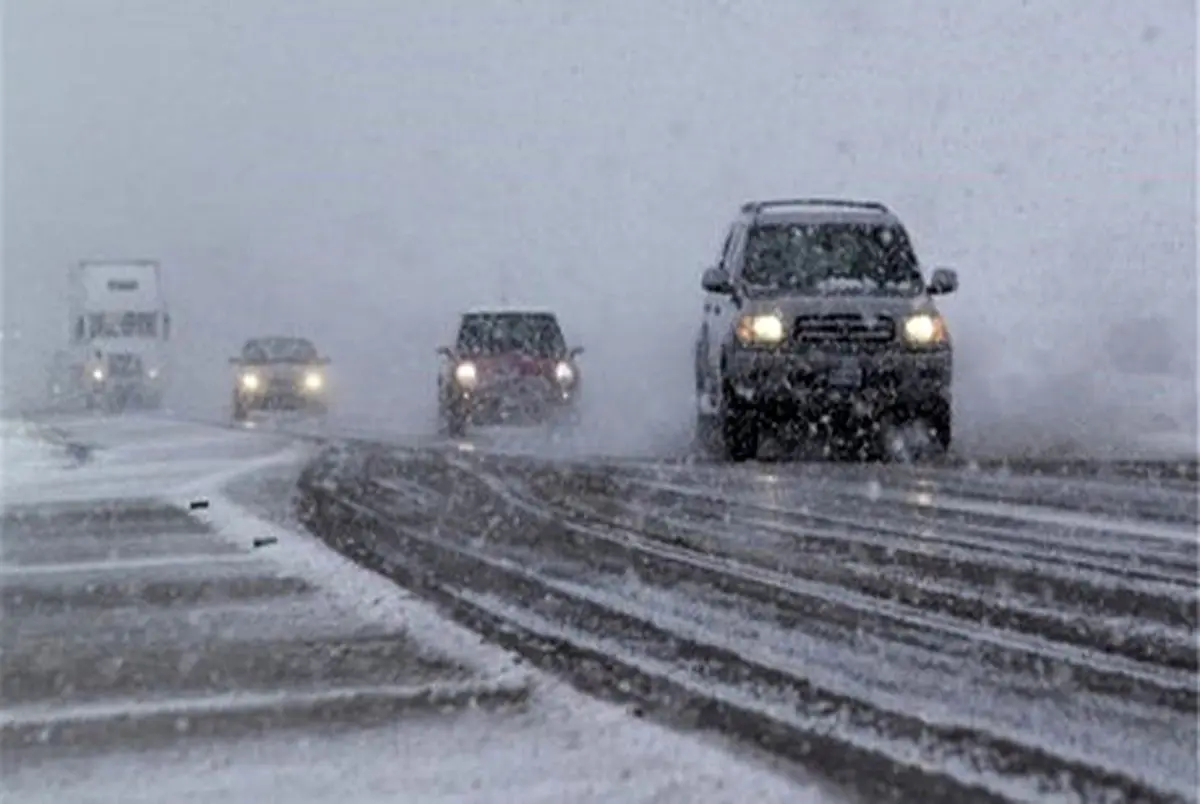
(361,169)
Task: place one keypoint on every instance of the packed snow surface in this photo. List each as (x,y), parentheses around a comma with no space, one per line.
(560,747)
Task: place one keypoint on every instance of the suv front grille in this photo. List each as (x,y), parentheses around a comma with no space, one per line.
(842,328)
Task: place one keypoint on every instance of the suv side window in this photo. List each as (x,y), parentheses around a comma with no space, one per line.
(736,247)
(722,260)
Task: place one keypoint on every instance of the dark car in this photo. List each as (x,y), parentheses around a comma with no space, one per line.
(508,367)
(279,374)
(818,315)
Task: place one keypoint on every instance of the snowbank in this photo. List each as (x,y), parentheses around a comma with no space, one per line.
(564,752)
(562,746)
(27,455)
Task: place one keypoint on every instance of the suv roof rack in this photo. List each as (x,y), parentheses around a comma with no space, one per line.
(754,207)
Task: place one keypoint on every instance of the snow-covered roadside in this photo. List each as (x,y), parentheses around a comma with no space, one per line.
(28,455)
(351,587)
(562,752)
(561,747)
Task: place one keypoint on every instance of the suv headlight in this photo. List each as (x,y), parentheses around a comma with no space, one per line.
(466,375)
(924,329)
(313,381)
(250,381)
(760,329)
(564,373)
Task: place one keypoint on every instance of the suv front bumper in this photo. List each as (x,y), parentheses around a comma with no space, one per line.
(819,380)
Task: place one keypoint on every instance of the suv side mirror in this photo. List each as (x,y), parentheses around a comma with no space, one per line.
(944,280)
(716,280)
(575,352)
(323,360)
(444,351)
(235,361)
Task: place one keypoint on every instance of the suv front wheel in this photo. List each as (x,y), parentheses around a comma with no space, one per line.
(932,426)
(740,427)
(454,420)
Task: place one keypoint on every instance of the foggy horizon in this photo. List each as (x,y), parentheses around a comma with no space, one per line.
(359,172)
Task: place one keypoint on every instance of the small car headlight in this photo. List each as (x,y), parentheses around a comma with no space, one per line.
(250,382)
(313,381)
(564,373)
(466,375)
(760,329)
(924,329)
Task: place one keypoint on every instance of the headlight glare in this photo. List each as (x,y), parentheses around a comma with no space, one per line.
(760,329)
(466,375)
(924,329)
(564,373)
(250,381)
(97,374)
(313,381)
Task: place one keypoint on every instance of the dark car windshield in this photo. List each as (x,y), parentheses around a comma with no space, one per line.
(495,333)
(831,258)
(279,350)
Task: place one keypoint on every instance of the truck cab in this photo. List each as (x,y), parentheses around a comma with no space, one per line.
(120,327)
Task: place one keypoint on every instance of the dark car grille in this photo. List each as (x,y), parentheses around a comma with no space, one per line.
(124,365)
(842,328)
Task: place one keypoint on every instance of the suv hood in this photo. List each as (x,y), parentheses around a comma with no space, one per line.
(789,307)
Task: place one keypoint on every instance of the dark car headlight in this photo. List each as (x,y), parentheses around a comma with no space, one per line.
(466,375)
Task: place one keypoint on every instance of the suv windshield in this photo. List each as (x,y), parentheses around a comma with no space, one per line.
(279,350)
(494,333)
(837,258)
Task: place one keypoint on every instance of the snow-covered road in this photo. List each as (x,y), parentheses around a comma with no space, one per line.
(1026,634)
(157,653)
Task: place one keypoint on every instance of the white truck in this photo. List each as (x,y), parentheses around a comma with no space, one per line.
(119,329)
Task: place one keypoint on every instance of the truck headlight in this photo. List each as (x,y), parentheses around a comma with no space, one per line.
(760,329)
(466,375)
(924,329)
(98,374)
(564,373)
(250,381)
(313,381)
(152,373)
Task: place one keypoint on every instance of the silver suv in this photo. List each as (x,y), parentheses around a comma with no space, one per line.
(818,315)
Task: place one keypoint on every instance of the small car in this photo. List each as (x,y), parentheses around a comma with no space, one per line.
(818,314)
(508,367)
(279,373)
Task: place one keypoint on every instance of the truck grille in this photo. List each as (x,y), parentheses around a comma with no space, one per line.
(124,365)
(843,328)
